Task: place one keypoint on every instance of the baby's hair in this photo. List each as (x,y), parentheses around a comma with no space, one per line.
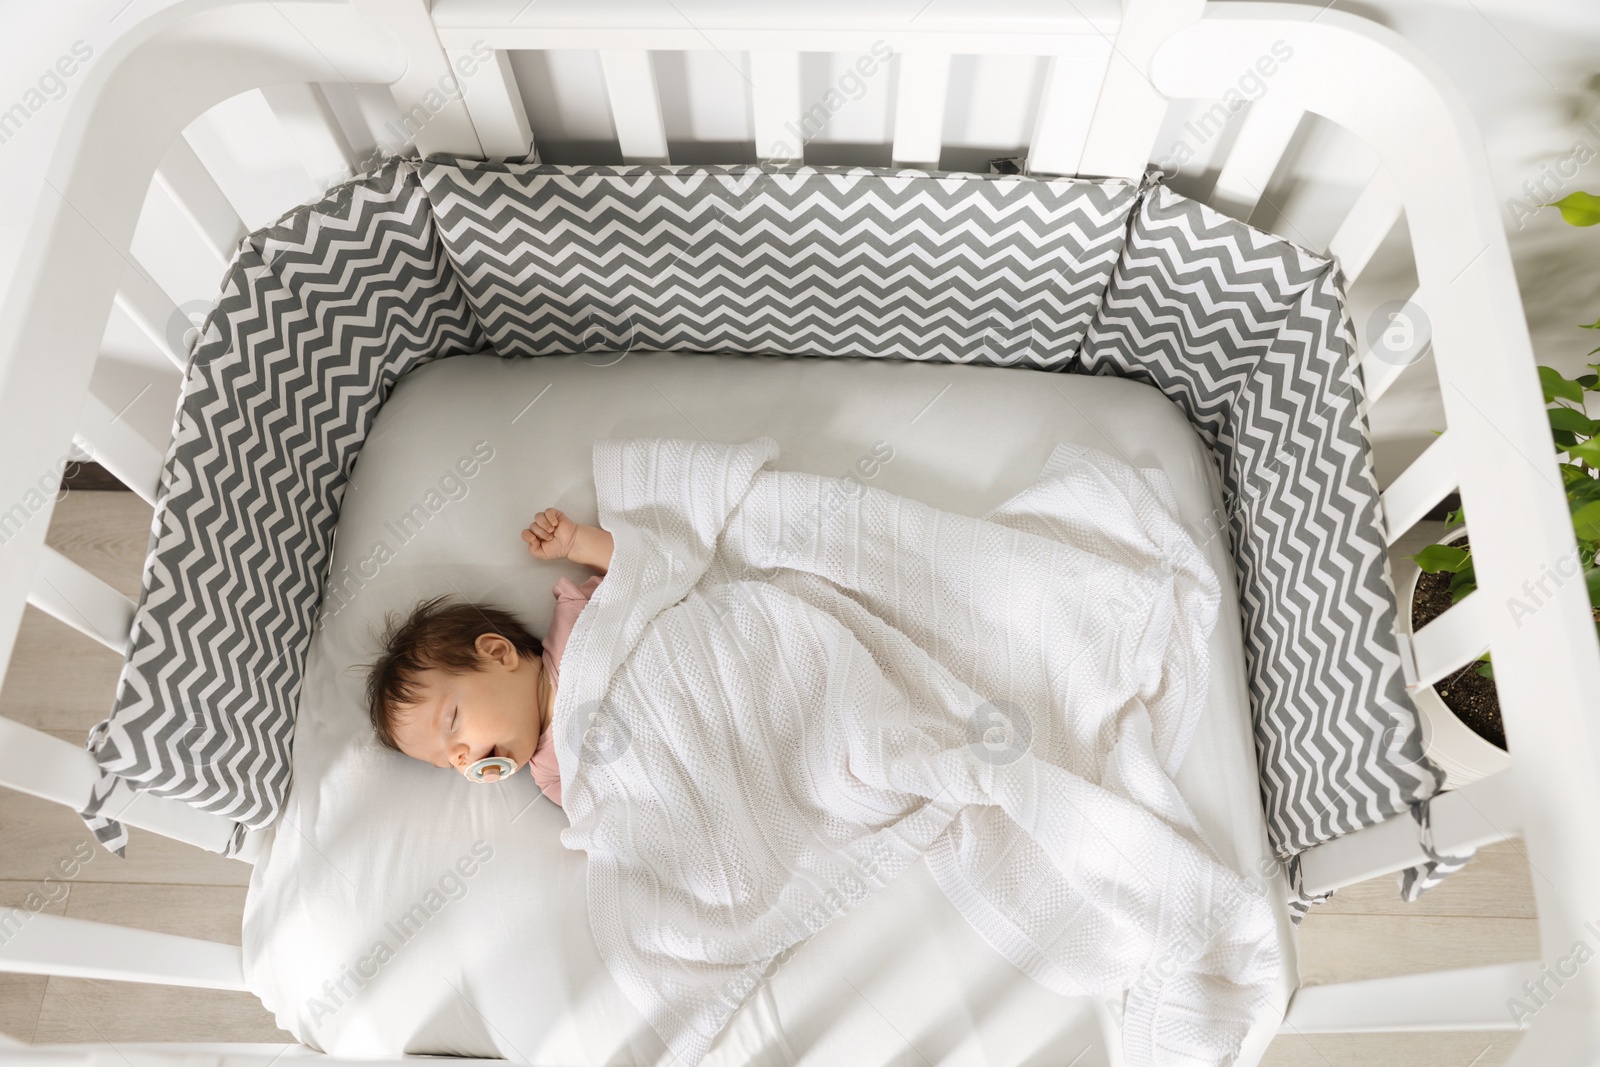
(434,634)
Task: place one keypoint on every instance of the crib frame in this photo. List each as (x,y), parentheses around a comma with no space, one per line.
(1108,87)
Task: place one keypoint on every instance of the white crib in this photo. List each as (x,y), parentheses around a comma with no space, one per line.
(1111,77)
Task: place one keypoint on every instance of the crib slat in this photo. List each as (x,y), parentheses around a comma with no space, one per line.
(919,109)
(1379,373)
(119,448)
(202,1054)
(1267,130)
(1428,480)
(435,121)
(1452,640)
(153,311)
(1128,111)
(1468,999)
(1065,109)
(314,132)
(82,601)
(1478,813)
(45,766)
(200,199)
(1371,218)
(635,106)
(166,1054)
(494,101)
(78,948)
(775,106)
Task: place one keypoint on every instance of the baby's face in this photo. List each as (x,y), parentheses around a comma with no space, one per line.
(462,718)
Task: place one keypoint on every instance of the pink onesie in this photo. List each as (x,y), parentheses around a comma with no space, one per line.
(570,600)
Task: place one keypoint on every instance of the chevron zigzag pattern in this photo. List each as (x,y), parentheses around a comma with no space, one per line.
(319,315)
(784,260)
(323,311)
(1249,335)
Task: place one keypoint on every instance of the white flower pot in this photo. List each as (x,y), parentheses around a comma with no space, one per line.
(1452,744)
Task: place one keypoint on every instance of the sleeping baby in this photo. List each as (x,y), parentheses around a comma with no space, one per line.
(457,683)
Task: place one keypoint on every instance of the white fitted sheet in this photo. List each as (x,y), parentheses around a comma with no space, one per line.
(499,961)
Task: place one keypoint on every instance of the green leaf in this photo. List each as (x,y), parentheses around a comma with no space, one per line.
(1456,517)
(1462,583)
(1564,439)
(1556,387)
(1592,579)
(1586,521)
(1436,558)
(1586,451)
(1564,418)
(1579,209)
(1589,325)
(1485,668)
(1590,382)
(1578,479)
(1581,490)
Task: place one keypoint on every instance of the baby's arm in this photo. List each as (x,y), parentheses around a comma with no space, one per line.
(552,535)
(591,546)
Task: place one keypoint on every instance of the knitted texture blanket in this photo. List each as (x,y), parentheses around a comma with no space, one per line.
(790,687)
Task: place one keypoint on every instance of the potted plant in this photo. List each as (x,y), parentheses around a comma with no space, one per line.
(1461,713)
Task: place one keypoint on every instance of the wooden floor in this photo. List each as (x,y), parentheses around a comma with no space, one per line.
(63,683)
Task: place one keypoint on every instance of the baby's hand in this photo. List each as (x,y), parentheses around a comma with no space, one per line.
(550,535)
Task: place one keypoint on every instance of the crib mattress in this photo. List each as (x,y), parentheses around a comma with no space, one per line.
(399,910)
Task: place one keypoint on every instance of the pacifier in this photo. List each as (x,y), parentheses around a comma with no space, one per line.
(475,771)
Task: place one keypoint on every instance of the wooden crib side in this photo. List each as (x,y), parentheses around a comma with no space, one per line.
(71,268)
(125,132)
(1498,450)
(1105,96)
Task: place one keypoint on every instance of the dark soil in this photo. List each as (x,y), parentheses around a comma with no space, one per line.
(1468,694)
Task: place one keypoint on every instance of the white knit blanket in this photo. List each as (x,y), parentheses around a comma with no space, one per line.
(790,687)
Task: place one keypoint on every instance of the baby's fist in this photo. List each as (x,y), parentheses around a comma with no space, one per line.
(550,534)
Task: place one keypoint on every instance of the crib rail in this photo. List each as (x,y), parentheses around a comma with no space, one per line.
(1420,486)
(82,601)
(1368,222)
(1079,127)
(198,1054)
(184,178)
(1479,813)
(318,140)
(78,948)
(1472,998)
(152,310)
(1110,79)
(1262,139)
(43,765)
(121,134)
(1497,450)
